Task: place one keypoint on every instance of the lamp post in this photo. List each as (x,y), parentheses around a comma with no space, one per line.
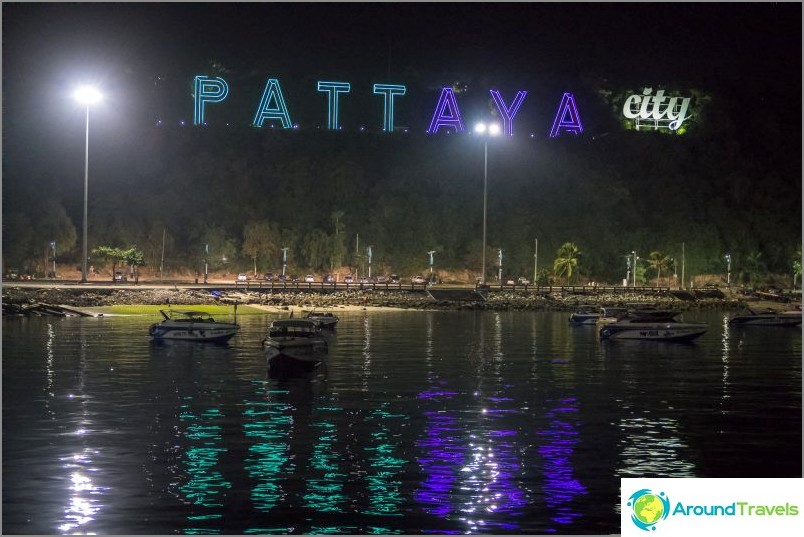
(431,252)
(53,247)
(635,265)
(368,254)
(86,95)
(206,263)
(728,269)
(499,275)
(284,262)
(486,131)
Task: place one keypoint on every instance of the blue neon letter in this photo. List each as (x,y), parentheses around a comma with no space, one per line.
(207,90)
(507,113)
(388,109)
(333,88)
(571,124)
(443,119)
(276,111)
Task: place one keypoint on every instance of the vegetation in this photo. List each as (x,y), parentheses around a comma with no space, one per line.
(566,260)
(234,197)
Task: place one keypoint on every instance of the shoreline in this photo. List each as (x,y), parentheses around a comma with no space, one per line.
(354,300)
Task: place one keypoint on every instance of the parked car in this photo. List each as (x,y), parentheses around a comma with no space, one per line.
(309,278)
(269,276)
(394,278)
(522,281)
(281,278)
(348,279)
(242,277)
(120,277)
(329,278)
(509,281)
(382,279)
(294,278)
(418,279)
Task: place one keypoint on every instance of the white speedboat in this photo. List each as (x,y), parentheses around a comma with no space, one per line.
(767,317)
(191,326)
(324,319)
(586,315)
(649,327)
(294,347)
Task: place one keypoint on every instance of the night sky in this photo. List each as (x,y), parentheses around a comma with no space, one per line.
(144,57)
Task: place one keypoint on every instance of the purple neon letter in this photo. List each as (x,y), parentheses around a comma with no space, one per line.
(567,108)
(507,113)
(442,118)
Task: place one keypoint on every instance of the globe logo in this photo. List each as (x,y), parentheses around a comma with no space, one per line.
(648,508)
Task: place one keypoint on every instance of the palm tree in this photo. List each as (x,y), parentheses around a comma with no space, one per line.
(657,261)
(566,260)
(797,266)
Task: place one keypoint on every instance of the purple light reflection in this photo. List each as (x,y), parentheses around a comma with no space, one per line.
(560,486)
(441,464)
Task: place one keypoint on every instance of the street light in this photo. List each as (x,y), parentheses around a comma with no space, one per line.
(86,95)
(635,265)
(431,252)
(486,131)
(728,269)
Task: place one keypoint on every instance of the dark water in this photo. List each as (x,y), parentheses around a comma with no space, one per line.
(426,422)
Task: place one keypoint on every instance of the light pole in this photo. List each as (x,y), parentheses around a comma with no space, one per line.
(635,265)
(368,254)
(206,263)
(284,262)
(53,246)
(728,269)
(486,131)
(431,252)
(86,95)
(499,275)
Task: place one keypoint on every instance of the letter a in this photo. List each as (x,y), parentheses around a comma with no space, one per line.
(562,121)
(442,118)
(278,111)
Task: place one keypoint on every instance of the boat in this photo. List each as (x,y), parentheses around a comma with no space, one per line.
(768,317)
(610,315)
(188,325)
(295,347)
(585,315)
(326,319)
(649,330)
(647,327)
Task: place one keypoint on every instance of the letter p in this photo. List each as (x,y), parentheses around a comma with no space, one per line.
(207,90)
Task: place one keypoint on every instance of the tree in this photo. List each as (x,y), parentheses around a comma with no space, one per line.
(797,266)
(567,260)
(753,267)
(110,253)
(338,248)
(658,261)
(260,238)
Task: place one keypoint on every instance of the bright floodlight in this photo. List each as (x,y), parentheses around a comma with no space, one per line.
(87,95)
(494,129)
(480,128)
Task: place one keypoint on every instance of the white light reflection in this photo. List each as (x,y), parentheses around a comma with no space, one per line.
(725,358)
(366,351)
(84,500)
(651,446)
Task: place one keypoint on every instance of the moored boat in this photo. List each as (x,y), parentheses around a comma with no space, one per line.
(185,325)
(294,347)
(648,330)
(325,319)
(769,317)
(586,315)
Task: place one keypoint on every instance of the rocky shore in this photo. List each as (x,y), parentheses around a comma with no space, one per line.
(495,300)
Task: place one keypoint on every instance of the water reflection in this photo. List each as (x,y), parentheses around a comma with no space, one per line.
(84,497)
(560,439)
(651,446)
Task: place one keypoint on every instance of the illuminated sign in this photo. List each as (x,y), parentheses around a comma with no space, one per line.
(656,111)
(646,110)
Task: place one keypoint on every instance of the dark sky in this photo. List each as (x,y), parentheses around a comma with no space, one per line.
(144,55)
